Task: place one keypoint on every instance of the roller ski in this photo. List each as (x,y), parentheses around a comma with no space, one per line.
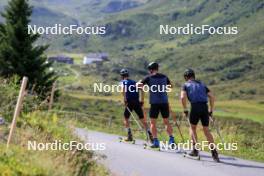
(170,145)
(155,145)
(215,156)
(150,137)
(194,154)
(127,140)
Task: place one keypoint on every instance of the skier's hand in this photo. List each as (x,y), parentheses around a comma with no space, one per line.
(210,113)
(141,103)
(125,103)
(186,113)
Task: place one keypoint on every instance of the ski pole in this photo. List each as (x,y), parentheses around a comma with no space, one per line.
(177,125)
(217,128)
(134,119)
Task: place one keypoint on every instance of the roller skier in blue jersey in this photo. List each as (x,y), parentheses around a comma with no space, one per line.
(198,94)
(158,100)
(132,103)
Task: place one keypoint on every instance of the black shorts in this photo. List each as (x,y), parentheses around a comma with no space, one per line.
(155,109)
(134,106)
(199,111)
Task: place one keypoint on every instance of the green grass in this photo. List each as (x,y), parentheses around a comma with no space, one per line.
(45,127)
(252,110)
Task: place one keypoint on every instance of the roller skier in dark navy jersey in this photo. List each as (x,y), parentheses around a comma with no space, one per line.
(158,99)
(197,93)
(132,103)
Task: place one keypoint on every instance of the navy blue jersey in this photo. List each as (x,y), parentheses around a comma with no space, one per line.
(157,95)
(196,91)
(131,90)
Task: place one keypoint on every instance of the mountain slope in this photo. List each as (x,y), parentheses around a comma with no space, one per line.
(133,39)
(223,61)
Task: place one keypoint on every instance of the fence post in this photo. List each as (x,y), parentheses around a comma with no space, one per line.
(52,95)
(110,122)
(17,109)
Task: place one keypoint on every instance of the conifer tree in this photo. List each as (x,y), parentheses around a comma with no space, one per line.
(19,54)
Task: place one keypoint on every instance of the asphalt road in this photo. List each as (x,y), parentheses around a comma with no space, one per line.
(124,159)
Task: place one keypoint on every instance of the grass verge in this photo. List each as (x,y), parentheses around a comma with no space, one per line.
(44,128)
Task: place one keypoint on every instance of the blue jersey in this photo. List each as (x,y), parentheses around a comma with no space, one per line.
(130,89)
(196,91)
(159,81)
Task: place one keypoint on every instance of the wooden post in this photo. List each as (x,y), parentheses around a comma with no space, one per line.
(110,122)
(52,95)
(32,89)
(17,109)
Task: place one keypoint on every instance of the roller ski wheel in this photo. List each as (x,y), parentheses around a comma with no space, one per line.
(192,155)
(125,140)
(147,146)
(215,156)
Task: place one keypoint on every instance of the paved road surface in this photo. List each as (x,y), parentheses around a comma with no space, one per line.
(132,160)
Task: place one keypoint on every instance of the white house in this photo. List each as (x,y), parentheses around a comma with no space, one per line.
(94,57)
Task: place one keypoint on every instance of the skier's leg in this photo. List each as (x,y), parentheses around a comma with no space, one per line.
(147,129)
(169,130)
(126,118)
(153,113)
(127,125)
(139,111)
(210,139)
(168,126)
(193,134)
(144,123)
(126,122)
(193,121)
(165,112)
(208,135)
(153,127)
(204,116)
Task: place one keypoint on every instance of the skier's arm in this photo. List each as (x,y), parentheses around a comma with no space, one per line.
(169,84)
(140,84)
(142,96)
(124,95)
(211,101)
(184,100)
(141,92)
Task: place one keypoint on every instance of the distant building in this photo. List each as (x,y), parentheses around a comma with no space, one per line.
(95,58)
(61,59)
